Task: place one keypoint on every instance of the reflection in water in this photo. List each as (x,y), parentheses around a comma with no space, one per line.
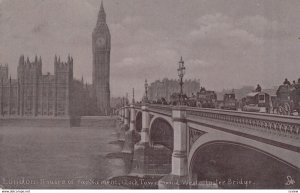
(158,164)
(126,158)
(59,158)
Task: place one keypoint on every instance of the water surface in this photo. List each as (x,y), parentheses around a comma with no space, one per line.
(59,157)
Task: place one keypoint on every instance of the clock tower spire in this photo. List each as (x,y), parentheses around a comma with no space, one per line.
(101,15)
(101,43)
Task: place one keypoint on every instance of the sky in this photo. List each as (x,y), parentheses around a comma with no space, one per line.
(224,43)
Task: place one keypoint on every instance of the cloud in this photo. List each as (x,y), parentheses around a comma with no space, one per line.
(131,20)
(244,37)
(222,28)
(223,48)
(129,31)
(259,25)
(47,28)
(146,59)
(208,20)
(197,63)
(130,62)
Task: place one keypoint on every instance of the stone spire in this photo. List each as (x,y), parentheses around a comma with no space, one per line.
(101,15)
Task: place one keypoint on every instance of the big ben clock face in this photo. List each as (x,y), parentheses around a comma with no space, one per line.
(100,42)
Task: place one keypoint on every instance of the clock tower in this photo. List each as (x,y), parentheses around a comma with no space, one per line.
(101,63)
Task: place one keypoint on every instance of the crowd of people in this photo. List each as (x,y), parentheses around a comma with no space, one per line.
(287,82)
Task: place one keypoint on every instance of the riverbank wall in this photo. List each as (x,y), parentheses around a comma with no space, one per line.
(91,121)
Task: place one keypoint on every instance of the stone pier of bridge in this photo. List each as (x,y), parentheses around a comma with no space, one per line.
(139,144)
(179,172)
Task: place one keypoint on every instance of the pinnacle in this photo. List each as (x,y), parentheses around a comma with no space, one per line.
(101,15)
(102,8)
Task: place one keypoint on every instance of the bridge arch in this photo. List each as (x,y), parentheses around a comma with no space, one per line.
(161,139)
(161,132)
(239,164)
(138,121)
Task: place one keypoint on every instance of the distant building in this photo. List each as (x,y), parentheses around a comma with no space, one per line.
(4,72)
(36,94)
(165,88)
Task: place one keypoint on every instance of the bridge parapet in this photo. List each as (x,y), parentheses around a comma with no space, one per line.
(138,106)
(283,126)
(165,109)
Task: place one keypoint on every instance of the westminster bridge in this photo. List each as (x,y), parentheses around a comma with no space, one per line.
(211,147)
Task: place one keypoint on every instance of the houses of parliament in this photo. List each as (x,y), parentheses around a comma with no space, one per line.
(35,94)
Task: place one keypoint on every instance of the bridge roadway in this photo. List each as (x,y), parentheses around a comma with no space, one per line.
(212,147)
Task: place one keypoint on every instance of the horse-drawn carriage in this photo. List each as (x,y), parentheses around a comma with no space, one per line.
(229,102)
(175,99)
(203,99)
(256,102)
(206,99)
(287,99)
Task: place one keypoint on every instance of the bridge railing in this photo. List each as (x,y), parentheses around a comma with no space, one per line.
(287,126)
(138,105)
(165,109)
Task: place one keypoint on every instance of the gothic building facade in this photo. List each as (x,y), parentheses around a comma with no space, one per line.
(101,63)
(36,94)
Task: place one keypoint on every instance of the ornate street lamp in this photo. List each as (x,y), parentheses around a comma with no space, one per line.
(145,99)
(133,101)
(181,73)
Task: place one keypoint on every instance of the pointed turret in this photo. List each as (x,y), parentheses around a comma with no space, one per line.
(21,60)
(101,15)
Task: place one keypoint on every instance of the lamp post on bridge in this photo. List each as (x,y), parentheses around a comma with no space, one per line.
(146,88)
(133,101)
(179,173)
(181,73)
(145,98)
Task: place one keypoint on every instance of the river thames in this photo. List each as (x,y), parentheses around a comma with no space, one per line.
(60,158)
